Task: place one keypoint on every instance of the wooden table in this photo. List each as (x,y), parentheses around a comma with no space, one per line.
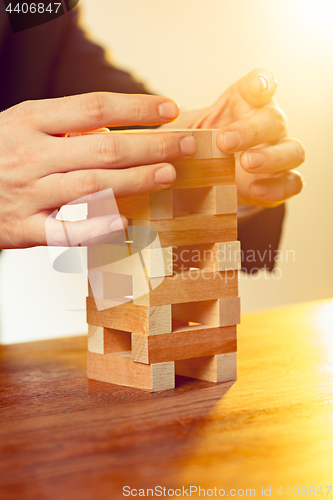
(64,437)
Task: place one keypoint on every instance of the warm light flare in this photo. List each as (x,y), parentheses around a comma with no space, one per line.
(324,326)
(305,30)
(316,13)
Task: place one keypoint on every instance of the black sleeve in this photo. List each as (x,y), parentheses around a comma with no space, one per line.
(260,237)
(81,66)
(55,59)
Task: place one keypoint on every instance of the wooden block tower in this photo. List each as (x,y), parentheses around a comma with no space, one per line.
(182,304)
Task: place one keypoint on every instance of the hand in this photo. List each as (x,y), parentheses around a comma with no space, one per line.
(41,169)
(255,128)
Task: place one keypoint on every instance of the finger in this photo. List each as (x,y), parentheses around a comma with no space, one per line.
(286,155)
(257,87)
(60,189)
(82,113)
(44,230)
(266,125)
(90,231)
(251,92)
(116,150)
(277,189)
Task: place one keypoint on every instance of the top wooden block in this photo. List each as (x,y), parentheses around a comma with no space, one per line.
(205,138)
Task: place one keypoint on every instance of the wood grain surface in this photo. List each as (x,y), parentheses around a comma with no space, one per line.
(208,200)
(204,173)
(189,229)
(64,437)
(130,317)
(189,286)
(195,342)
(157,205)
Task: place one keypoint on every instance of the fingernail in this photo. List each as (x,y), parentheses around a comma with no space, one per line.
(231,140)
(188,146)
(258,85)
(168,110)
(165,175)
(116,225)
(255,160)
(261,190)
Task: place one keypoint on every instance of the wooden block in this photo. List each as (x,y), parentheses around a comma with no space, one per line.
(206,312)
(193,343)
(209,313)
(157,205)
(130,317)
(106,340)
(204,173)
(190,286)
(150,262)
(116,259)
(221,256)
(190,229)
(206,143)
(203,139)
(226,199)
(151,206)
(116,341)
(120,369)
(193,201)
(213,200)
(158,262)
(216,153)
(230,311)
(112,286)
(219,368)
(96,339)
(228,255)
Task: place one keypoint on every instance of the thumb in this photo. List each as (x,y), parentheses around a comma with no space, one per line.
(257,87)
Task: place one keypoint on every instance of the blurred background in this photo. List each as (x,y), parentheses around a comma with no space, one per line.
(191,51)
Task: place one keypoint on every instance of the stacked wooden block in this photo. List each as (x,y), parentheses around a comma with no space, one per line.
(181,303)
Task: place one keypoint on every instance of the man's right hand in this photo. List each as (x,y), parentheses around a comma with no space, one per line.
(42,169)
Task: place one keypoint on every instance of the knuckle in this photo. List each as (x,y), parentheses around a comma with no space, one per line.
(57,237)
(140,109)
(24,112)
(141,179)
(254,133)
(162,147)
(27,156)
(94,107)
(88,183)
(110,151)
(279,118)
(277,158)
